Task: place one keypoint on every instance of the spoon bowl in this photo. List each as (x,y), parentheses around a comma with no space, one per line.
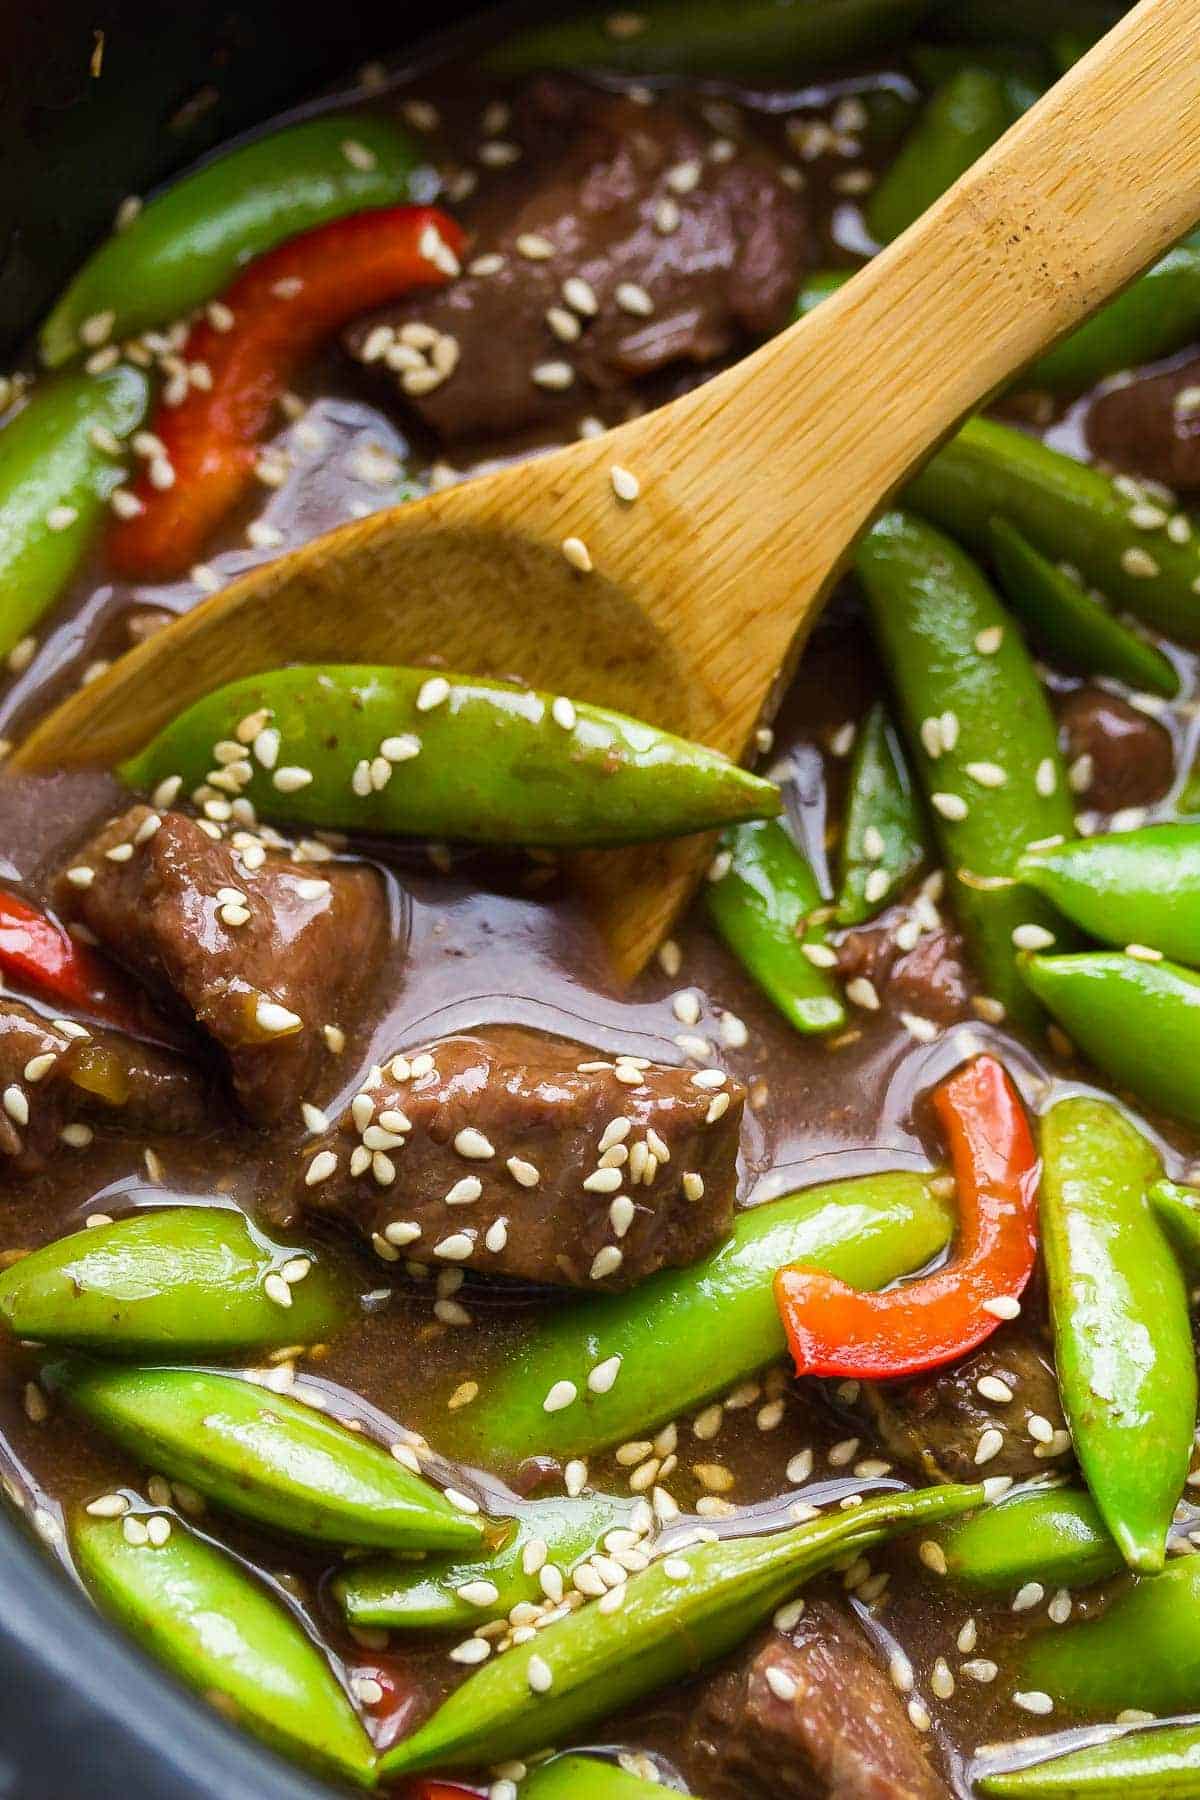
(688,605)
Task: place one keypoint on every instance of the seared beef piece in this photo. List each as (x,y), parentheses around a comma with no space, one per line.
(843,1735)
(98,1074)
(596,171)
(1133,762)
(491,1147)
(313,939)
(929,979)
(934,1425)
(1143,427)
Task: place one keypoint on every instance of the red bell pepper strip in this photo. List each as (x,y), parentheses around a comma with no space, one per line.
(833,1329)
(283,307)
(441,1790)
(38,954)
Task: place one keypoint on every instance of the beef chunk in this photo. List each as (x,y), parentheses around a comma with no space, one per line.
(1132,760)
(929,979)
(934,1425)
(262,978)
(843,1734)
(600,180)
(479,1150)
(1152,426)
(91,1073)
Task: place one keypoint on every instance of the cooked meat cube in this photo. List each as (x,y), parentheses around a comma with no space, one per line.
(526,1155)
(929,979)
(1152,426)
(809,1714)
(1131,761)
(54,1073)
(938,1426)
(264,958)
(614,247)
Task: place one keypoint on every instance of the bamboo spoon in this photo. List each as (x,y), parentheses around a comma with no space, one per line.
(753,487)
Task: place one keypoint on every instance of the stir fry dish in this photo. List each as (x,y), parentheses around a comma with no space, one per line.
(470,1375)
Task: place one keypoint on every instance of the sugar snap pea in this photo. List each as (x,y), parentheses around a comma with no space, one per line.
(406,750)
(432,1595)
(978,727)
(185,246)
(884,840)
(55,484)
(1129,887)
(1073,627)
(183,1280)
(200,1613)
(686,1610)
(1160,1763)
(587,1778)
(1157,315)
(869,1230)
(708,37)
(1068,511)
(1023,69)
(965,117)
(1053,1535)
(264,1456)
(762,906)
(1122,1335)
(1178,1211)
(1143,1651)
(1138,1021)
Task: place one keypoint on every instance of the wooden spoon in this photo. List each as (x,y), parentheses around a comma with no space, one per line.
(753,487)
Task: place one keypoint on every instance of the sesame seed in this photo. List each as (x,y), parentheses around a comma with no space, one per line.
(989,640)
(525,1174)
(290,779)
(134,1531)
(862,993)
(563,324)
(990,1444)
(951,806)
(561,1395)
(464,1192)
(433,692)
(579,557)
(473,1144)
(61,518)
(625,483)
(684,177)
(322,1166)
(401,1232)
(606,1262)
(534,247)
(1003,1307)
(1034,1701)
(455,1248)
(621,1214)
(601,1379)
(539,1675)
(1143,953)
(634,299)
(992,1388)
(980,1669)
(16,1105)
(277,1290)
(822,956)
(39,1066)
(473,1650)
(269,1016)
(718,1106)
(933,1557)
(987,774)
(1031,1595)
(552,375)
(1032,937)
(562,710)
(108,1506)
(1139,563)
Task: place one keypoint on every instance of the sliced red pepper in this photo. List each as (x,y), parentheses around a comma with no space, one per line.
(423,1789)
(833,1329)
(283,307)
(38,954)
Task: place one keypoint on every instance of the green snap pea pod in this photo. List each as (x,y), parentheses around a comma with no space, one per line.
(884,840)
(586,1778)
(762,907)
(964,118)
(1162,1763)
(1070,512)
(1074,629)
(994,779)
(428,1596)
(817,287)
(264,1456)
(55,484)
(1138,1021)
(1130,887)
(1054,1535)
(1023,70)
(197,1611)
(1122,1334)
(687,1334)
(1143,1651)
(1155,316)
(1178,1210)
(188,243)
(186,1280)
(681,1613)
(709,37)
(473,759)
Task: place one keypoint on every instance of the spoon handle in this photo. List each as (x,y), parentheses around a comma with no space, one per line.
(1094,183)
